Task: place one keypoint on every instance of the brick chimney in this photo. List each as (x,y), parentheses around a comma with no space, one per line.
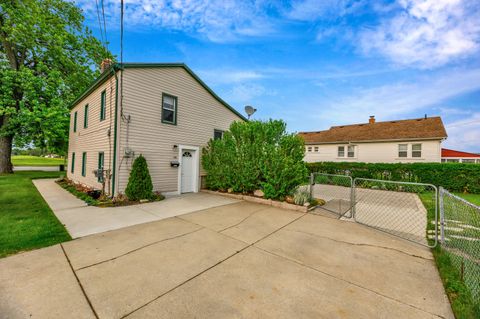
(371,120)
(106,63)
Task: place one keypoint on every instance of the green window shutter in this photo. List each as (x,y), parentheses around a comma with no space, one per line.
(103,100)
(85,117)
(101,158)
(84,164)
(72,169)
(75,122)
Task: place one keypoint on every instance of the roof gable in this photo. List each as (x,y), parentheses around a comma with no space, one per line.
(112,70)
(422,128)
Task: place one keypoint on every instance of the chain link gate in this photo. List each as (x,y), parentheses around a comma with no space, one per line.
(460,237)
(335,190)
(401,209)
(398,208)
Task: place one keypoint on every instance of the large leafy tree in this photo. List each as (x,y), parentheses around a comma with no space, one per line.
(47,57)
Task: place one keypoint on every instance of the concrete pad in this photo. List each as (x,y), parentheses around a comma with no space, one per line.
(82,220)
(97,248)
(185,203)
(400,276)
(93,220)
(255,284)
(261,224)
(222,217)
(40,284)
(122,285)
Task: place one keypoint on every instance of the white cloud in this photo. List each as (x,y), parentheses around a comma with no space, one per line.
(218,20)
(248,92)
(464,134)
(223,76)
(427,33)
(395,101)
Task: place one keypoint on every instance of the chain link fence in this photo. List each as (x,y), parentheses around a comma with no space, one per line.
(335,190)
(460,237)
(397,208)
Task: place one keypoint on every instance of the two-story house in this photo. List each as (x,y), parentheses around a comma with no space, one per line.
(162,111)
(403,141)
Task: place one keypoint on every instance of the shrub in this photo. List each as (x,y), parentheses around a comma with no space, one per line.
(256,155)
(139,183)
(456,177)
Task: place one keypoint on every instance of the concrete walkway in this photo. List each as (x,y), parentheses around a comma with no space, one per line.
(242,260)
(37,168)
(82,220)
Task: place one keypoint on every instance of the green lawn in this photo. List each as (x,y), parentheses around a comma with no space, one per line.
(26,221)
(472,198)
(26,160)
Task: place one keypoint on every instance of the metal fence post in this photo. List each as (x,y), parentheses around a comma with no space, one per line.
(311,184)
(442,216)
(354,201)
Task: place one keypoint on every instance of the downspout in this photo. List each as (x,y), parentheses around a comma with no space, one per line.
(114,170)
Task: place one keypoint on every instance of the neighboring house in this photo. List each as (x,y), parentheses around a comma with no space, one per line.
(452,156)
(403,141)
(165,112)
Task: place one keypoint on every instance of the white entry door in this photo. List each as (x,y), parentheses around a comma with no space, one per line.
(188,171)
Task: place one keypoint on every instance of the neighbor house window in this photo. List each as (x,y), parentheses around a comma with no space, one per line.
(101,158)
(416,150)
(341,151)
(72,169)
(402,150)
(351,151)
(316,148)
(85,117)
(309,149)
(169,109)
(217,134)
(103,102)
(75,122)
(84,164)
(453,161)
(468,160)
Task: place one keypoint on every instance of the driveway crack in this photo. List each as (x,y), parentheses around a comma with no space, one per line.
(244,219)
(349,282)
(360,244)
(142,247)
(79,283)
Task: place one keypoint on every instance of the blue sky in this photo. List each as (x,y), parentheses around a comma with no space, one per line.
(318,63)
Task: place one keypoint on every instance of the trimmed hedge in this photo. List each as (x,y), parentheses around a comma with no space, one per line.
(456,177)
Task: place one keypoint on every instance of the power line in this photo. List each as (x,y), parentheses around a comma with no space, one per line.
(104,25)
(100,23)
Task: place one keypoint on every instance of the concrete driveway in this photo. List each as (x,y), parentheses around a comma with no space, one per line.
(241,260)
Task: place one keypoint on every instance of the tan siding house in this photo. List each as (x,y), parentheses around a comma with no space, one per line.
(403,141)
(167,114)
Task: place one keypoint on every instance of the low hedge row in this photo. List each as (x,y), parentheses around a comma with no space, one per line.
(455,177)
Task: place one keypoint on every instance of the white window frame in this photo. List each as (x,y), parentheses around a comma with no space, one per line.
(416,151)
(343,151)
(353,151)
(309,149)
(315,149)
(403,151)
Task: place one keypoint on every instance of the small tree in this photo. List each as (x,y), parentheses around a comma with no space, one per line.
(139,183)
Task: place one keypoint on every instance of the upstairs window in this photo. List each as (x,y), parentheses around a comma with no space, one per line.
(169,109)
(85,117)
(75,122)
(341,151)
(402,150)
(416,150)
(217,134)
(351,151)
(103,102)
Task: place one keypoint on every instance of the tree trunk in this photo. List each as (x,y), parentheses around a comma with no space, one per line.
(5,154)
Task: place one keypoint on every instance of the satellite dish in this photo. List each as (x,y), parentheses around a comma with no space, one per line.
(250,110)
